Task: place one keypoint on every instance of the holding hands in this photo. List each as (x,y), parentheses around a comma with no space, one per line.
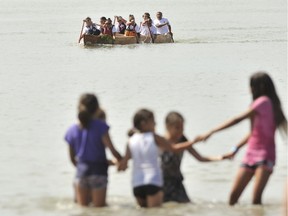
(230,155)
(122,165)
(205,136)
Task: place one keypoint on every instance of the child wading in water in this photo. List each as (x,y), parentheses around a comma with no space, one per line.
(87,141)
(266,115)
(143,147)
(173,187)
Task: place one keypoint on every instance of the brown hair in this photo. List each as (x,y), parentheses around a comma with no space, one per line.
(142,115)
(88,105)
(173,117)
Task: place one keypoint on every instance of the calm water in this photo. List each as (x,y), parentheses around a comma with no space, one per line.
(204,75)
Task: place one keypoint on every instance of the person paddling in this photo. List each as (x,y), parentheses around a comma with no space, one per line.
(90,28)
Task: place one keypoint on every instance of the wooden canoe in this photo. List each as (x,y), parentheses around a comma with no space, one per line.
(106,39)
(158,39)
(163,39)
(123,40)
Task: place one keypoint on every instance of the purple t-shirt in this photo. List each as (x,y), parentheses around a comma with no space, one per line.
(261,144)
(88,146)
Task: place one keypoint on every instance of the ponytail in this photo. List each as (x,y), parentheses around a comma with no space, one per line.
(84,117)
(131,132)
(88,105)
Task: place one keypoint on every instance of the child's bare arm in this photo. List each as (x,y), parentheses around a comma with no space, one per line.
(229,123)
(112,162)
(201,158)
(123,164)
(235,149)
(108,143)
(72,155)
(165,145)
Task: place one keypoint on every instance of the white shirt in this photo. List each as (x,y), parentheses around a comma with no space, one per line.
(114,29)
(146,160)
(136,28)
(86,29)
(145,31)
(163,29)
(117,29)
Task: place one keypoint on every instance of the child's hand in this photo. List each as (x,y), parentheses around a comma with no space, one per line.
(197,139)
(113,162)
(229,155)
(122,165)
(204,137)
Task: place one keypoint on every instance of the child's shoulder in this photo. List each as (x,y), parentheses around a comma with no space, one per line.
(73,127)
(140,135)
(98,123)
(262,100)
(72,132)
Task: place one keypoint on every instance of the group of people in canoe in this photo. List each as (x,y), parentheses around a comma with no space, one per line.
(120,26)
(154,180)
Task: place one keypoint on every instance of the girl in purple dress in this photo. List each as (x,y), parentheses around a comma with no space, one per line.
(87,141)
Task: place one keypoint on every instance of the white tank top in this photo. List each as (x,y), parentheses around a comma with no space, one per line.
(146,161)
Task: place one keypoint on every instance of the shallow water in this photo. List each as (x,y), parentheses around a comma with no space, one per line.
(204,75)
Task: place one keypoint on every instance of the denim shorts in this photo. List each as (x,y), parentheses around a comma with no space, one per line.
(92,182)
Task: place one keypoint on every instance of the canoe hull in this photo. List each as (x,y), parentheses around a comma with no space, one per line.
(163,39)
(124,40)
(158,39)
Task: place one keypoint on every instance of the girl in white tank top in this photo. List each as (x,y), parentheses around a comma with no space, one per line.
(143,147)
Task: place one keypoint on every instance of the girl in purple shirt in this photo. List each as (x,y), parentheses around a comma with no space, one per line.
(87,141)
(266,115)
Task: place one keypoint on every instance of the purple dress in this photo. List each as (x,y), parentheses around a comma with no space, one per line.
(89,148)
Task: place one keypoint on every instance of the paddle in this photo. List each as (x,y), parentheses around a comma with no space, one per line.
(114,20)
(81,32)
(150,33)
(172,37)
(115,17)
(170,32)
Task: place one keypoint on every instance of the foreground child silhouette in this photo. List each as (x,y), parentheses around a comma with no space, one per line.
(174,189)
(143,147)
(266,115)
(87,141)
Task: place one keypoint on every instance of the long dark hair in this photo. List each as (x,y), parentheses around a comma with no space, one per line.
(262,84)
(88,105)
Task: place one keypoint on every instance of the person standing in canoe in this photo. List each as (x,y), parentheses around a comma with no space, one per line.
(162,24)
(90,29)
(87,141)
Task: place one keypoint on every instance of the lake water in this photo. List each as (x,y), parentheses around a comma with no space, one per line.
(204,75)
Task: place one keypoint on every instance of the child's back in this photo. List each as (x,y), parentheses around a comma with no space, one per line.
(146,166)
